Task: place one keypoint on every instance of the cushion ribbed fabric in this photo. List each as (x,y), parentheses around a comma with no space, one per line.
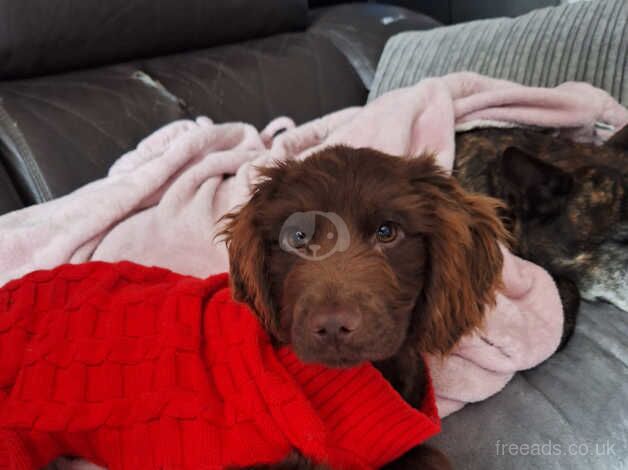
(584,41)
(134,367)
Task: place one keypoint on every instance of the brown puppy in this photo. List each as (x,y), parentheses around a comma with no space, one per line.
(567,205)
(353,255)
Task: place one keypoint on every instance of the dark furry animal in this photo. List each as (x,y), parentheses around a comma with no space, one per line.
(567,204)
(353,255)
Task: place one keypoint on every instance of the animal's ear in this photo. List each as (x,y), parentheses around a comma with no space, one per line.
(530,186)
(248,258)
(619,138)
(463,232)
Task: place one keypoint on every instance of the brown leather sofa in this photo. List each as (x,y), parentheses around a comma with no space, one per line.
(82,81)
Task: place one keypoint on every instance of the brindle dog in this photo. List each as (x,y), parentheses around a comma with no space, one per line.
(567,205)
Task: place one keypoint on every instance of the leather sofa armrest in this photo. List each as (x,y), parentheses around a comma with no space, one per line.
(360,31)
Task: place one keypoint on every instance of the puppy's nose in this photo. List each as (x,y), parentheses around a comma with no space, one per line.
(335,324)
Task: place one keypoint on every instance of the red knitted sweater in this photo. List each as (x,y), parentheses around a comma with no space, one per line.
(140,368)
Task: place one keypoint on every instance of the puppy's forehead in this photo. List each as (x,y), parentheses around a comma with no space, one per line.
(344,175)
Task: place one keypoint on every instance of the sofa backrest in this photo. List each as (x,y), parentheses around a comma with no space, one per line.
(39,37)
(65,115)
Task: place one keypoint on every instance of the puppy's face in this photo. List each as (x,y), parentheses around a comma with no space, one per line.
(352,254)
(349,275)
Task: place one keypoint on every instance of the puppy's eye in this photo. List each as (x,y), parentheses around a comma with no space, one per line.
(386,233)
(298,239)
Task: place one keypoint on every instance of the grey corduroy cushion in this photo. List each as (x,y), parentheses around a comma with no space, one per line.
(583,41)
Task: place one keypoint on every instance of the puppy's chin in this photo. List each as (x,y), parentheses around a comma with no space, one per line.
(332,361)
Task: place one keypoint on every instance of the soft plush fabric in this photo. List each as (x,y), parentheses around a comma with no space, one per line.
(134,367)
(160,204)
(584,41)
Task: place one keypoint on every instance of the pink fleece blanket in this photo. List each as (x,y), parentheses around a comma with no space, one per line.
(160,203)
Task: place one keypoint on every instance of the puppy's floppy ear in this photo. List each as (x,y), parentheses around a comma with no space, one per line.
(249,251)
(463,232)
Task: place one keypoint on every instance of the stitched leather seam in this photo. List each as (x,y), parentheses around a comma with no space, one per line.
(16,143)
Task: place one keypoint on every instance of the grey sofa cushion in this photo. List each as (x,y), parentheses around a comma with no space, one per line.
(572,410)
(584,41)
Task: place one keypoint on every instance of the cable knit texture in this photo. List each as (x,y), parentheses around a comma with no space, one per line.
(134,367)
